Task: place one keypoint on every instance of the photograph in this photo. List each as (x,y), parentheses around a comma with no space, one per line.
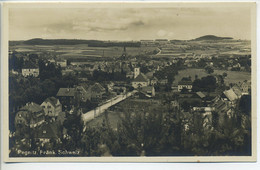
(130,82)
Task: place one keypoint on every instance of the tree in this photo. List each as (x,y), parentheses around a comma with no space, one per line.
(209,70)
(224,74)
(74,126)
(204,84)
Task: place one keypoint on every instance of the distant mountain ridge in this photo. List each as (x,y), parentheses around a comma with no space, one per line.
(100,43)
(212,37)
(90,43)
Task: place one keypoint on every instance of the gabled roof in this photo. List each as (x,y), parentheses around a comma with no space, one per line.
(52,100)
(141,78)
(48,130)
(66,92)
(97,88)
(32,107)
(230,94)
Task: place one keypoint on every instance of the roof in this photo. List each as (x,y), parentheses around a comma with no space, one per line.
(185,81)
(32,107)
(66,92)
(141,78)
(200,94)
(230,94)
(237,90)
(52,100)
(48,130)
(97,88)
(147,88)
(29,65)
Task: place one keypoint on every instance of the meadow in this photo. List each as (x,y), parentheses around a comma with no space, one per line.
(232,76)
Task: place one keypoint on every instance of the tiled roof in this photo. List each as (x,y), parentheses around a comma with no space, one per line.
(230,94)
(66,92)
(141,78)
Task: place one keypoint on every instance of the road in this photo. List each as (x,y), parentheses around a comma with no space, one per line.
(100,109)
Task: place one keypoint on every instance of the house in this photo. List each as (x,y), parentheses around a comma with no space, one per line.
(237,90)
(52,107)
(153,81)
(82,94)
(185,83)
(222,109)
(230,95)
(30,69)
(189,99)
(31,115)
(96,91)
(140,81)
(62,63)
(245,87)
(47,132)
(148,90)
(66,96)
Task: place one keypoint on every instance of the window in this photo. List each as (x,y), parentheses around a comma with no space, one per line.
(44,131)
(49,107)
(20,115)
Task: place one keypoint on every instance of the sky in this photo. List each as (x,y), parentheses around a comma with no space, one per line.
(126,24)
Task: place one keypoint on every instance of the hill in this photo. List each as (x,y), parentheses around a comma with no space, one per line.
(90,43)
(212,37)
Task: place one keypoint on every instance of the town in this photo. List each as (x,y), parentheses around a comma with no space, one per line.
(135,98)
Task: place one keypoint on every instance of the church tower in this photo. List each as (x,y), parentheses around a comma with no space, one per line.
(137,72)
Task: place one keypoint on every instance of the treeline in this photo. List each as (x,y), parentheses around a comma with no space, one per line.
(169,72)
(90,43)
(99,76)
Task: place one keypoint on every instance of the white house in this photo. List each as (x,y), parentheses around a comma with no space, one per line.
(185,83)
(52,107)
(30,70)
(140,81)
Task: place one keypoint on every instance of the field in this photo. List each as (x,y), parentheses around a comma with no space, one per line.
(232,76)
(81,51)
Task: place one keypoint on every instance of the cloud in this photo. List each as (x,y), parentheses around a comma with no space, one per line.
(161,33)
(138,23)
